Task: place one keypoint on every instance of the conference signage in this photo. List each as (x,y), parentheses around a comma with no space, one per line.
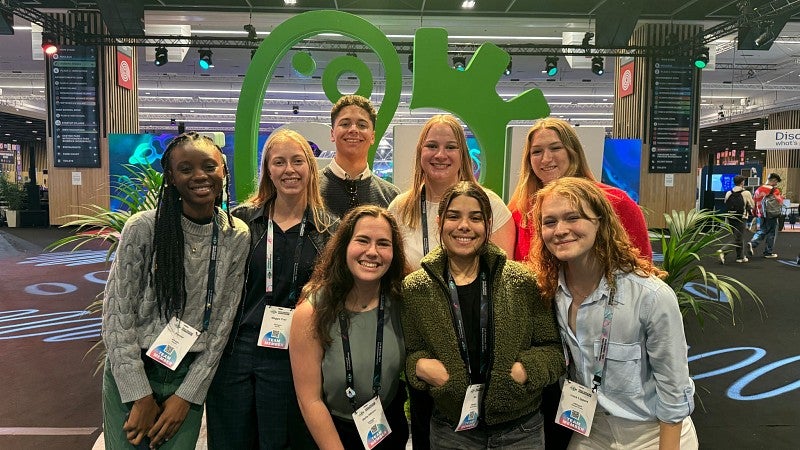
(73,106)
(671,116)
(777,139)
(8,152)
(626,80)
(125,72)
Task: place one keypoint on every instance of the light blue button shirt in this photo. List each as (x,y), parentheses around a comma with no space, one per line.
(646,373)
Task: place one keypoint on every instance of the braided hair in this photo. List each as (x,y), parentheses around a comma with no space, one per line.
(168,274)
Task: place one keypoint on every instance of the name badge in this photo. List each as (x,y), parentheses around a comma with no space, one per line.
(471,409)
(371,423)
(173,343)
(275,327)
(576,408)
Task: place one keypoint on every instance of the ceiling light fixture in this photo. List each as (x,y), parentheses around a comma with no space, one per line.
(508,68)
(289,2)
(551,65)
(597,65)
(765,37)
(161,56)
(459,63)
(205,61)
(701,58)
(468,4)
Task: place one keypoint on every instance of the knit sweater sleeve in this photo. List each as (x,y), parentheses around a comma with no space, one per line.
(631,217)
(124,293)
(233,249)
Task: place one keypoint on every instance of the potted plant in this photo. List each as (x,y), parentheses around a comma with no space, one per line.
(16,199)
(690,238)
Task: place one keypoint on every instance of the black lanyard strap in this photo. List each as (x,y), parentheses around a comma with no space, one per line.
(212,273)
(424,222)
(350,392)
(298,250)
(458,324)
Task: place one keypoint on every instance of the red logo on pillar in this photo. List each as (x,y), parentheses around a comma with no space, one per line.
(625,86)
(124,71)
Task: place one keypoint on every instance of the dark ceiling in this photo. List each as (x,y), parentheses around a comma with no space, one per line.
(716,10)
(20,129)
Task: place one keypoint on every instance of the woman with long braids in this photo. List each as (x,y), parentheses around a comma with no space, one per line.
(170,301)
(347,347)
(251,403)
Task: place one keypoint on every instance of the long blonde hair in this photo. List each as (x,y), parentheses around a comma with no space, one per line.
(528,183)
(612,247)
(266,188)
(408,207)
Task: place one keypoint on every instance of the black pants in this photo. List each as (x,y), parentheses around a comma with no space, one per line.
(556,437)
(421,408)
(395,415)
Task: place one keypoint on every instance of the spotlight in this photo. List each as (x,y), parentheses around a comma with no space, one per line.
(173,121)
(508,68)
(295,110)
(701,58)
(161,56)
(410,62)
(597,65)
(551,65)
(721,112)
(251,32)
(765,37)
(353,54)
(587,38)
(205,61)
(49,46)
(459,63)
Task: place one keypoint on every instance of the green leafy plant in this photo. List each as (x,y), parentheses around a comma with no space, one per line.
(13,193)
(137,191)
(690,237)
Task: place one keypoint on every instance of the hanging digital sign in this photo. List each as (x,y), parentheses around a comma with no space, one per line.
(73,107)
(671,116)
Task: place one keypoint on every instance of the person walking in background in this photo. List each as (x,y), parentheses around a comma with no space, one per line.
(252,402)
(739,204)
(628,371)
(553,150)
(763,197)
(347,348)
(347,181)
(480,339)
(170,301)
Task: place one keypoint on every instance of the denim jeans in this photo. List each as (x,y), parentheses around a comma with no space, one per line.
(528,435)
(766,232)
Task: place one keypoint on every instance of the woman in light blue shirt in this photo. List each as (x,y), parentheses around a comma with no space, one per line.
(609,297)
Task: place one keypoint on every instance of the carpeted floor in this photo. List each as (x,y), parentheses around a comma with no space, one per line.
(747,375)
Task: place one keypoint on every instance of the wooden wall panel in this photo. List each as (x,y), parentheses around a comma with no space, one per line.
(632,120)
(118,113)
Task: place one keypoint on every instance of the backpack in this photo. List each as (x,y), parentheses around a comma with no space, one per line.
(771,206)
(735,203)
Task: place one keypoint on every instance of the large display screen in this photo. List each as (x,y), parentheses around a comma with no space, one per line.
(621,161)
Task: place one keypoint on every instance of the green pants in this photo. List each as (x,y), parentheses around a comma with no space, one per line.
(164,383)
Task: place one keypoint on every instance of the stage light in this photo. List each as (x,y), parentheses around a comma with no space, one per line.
(410,62)
(459,63)
(49,46)
(353,54)
(551,65)
(508,68)
(765,37)
(597,65)
(173,122)
(205,61)
(295,110)
(251,32)
(161,56)
(587,39)
(701,58)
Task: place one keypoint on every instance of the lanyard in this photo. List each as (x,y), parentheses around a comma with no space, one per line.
(458,323)
(608,315)
(350,392)
(297,251)
(424,219)
(212,273)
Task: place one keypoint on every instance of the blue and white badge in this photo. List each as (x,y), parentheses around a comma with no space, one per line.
(371,423)
(471,408)
(173,343)
(576,408)
(275,327)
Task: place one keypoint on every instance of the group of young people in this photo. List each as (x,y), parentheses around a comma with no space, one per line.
(299,318)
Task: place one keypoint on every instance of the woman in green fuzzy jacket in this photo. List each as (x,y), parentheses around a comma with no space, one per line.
(478,337)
